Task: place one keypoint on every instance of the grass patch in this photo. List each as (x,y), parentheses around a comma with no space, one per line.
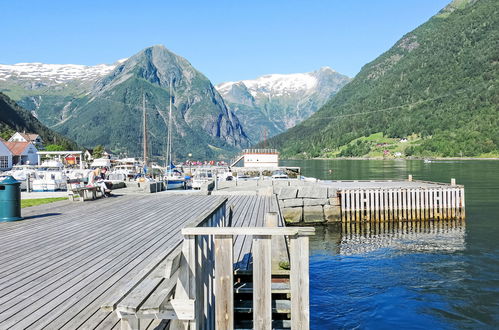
(40,201)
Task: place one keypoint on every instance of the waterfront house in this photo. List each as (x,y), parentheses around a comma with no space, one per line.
(23,153)
(5,156)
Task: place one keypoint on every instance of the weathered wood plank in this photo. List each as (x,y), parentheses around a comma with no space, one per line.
(224,303)
(299,281)
(262,271)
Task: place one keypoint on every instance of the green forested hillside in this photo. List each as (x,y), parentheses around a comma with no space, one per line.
(14,118)
(438,83)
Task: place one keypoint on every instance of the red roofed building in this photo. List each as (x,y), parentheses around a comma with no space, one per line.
(27,137)
(23,153)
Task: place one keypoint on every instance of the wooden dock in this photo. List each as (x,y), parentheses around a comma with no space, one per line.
(358,200)
(407,201)
(66,260)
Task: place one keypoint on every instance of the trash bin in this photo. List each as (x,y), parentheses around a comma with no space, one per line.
(10,199)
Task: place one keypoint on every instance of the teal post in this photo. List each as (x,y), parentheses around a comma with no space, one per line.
(10,200)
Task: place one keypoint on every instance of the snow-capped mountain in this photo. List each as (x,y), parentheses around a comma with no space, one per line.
(274,103)
(39,75)
(98,104)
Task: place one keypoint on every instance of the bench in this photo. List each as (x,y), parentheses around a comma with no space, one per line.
(165,289)
(77,189)
(150,295)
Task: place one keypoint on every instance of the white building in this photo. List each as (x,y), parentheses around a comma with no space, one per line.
(27,137)
(261,158)
(23,153)
(5,156)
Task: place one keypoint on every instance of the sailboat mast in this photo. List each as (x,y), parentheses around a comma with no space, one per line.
(144,122)
(169,139)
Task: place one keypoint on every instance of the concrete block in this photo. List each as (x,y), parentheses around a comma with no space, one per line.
(287,193)
(295,202)
(292,214)
(312,192)
(335,201)
(315,201)
(332,192)
(313,214)
(332,213)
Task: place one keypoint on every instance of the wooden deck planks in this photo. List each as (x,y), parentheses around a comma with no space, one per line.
(76,305)
(60,268)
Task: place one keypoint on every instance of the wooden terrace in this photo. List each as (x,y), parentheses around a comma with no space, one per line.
(65,261)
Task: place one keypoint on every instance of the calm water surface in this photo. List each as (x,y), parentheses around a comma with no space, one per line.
(421,276)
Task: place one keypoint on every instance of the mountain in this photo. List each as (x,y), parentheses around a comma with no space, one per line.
(273,103)
(13,119)
(437,85)
(103,104)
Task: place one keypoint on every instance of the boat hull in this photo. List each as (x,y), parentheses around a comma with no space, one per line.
(174,184)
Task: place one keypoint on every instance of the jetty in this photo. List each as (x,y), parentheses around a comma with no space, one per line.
(316,201)
(155,261)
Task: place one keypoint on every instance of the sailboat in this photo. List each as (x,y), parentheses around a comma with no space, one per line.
(174,179)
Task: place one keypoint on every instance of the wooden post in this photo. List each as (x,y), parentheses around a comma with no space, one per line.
(418,205)
(224,274)
(440,203)
(463,206)
(453,182)
(299,277)
(368,205)
(357,205)
(372,213)
(426,205)
(129,322)
(390,204)
(400,214)
(347,208)
(362,201)
(409,178)
(262,281)
(376,205)
(343,199)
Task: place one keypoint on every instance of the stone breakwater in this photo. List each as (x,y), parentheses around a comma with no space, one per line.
(306,201)
(310,204)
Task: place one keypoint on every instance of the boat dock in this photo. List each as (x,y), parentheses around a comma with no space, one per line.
(314,201)
(90,265)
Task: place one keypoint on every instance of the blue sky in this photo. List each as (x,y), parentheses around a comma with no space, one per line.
(226,40)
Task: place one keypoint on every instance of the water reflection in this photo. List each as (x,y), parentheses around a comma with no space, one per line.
(413,236)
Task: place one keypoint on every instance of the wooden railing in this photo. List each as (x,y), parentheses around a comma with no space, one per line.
(208,252)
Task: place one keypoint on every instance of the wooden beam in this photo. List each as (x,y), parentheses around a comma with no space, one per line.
(224,289)
(288,231)
(299,277)
(262,281)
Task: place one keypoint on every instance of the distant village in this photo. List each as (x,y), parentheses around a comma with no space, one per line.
(24,149)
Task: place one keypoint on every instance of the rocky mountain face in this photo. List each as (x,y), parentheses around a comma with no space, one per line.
(104,104)
(438,82)
(273,103)
(13,119)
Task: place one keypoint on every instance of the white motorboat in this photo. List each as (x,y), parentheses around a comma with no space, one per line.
(21,173)
(279,174)
(50,176)
(201,176)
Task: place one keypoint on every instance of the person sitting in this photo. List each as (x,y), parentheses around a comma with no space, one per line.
(95,180)
(104,177)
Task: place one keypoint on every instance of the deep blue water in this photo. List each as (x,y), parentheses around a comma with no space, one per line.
(431,275)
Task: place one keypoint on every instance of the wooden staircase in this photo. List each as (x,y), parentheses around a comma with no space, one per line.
(243,301)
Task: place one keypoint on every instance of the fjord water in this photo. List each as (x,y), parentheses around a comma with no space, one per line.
(424,276)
